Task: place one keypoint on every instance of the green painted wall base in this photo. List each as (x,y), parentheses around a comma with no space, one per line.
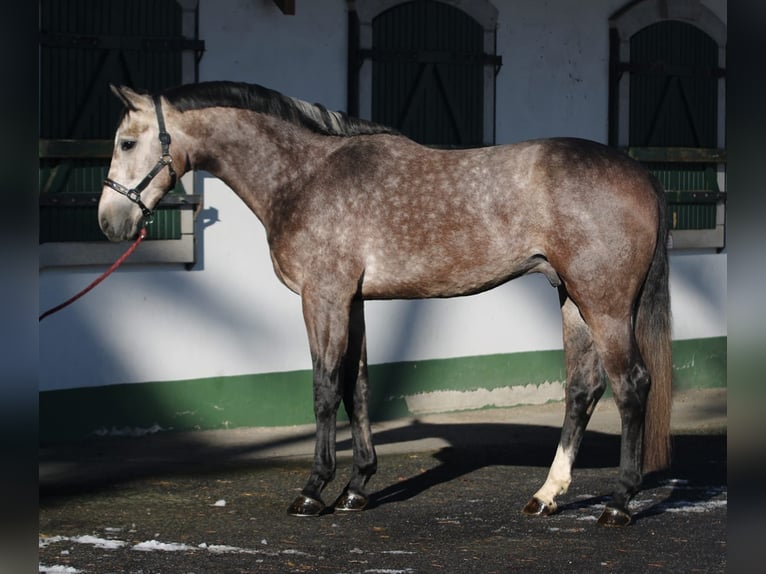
(279,399)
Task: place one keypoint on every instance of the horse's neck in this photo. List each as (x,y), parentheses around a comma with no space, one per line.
(257,156)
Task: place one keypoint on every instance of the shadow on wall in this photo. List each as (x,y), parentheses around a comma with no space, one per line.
(207,217)
(57,364)
(191,316)
(698,288)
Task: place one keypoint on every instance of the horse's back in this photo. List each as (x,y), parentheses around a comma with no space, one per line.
(586,208)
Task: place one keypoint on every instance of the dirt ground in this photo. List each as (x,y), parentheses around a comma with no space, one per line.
(447,498)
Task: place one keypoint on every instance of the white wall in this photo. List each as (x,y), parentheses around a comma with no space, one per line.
(554,78)
(303,56)
(231,315)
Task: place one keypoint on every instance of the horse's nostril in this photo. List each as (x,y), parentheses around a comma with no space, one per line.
(107,229)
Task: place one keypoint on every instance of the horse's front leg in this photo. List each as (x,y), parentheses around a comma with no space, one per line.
(326,400)
(356,400)
(327,327)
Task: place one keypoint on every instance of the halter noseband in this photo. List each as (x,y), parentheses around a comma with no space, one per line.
(134,194)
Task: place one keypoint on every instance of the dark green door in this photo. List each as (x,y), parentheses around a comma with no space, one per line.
(427,78)
(674,78)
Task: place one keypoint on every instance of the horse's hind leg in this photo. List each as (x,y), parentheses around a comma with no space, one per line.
(630,384)
(585,385)
(356,400)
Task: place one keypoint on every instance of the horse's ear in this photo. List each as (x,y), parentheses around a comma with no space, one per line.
(130,99)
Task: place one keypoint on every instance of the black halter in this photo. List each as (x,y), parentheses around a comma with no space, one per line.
(134,194)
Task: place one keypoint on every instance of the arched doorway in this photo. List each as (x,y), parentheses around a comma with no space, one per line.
(427,68)
(667,107)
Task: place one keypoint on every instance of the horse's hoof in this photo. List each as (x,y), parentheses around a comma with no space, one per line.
(305,506)
(351,502)
(537,507)
(614,517)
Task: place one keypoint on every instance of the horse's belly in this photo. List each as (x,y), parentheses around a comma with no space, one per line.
(420,277)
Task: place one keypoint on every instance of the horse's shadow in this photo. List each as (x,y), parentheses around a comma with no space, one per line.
(699,462)
(471,448)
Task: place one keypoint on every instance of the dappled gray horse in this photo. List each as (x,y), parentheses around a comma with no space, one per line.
(356,211)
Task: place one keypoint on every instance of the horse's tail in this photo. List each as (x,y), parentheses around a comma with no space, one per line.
(652,327)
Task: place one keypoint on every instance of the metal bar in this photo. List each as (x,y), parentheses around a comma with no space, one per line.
(170,201)
(431,57)
(415,93)
(137,43)
(75,149)
(696,196)
(286,6)
(677,154)
(660,68)
(452,108)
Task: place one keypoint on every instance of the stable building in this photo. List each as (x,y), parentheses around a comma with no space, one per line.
(195,331)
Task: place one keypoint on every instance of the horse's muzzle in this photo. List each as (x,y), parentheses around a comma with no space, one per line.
(126,230)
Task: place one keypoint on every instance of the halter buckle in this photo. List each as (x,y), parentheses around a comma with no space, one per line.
(147,219)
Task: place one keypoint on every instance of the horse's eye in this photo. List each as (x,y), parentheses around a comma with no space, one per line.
(127,145)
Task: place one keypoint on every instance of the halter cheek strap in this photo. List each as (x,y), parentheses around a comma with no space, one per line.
(134,194)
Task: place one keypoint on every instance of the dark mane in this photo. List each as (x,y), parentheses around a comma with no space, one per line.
(253,97)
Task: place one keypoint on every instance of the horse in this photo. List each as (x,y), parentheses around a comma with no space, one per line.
(356,211)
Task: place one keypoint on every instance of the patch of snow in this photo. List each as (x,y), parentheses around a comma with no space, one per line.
(87,539)
(225,549)
(219,503)
(128,431)
(98,542)
(151,545)
(43,542)
(694,507)
(675,482)
(57,569)
(295,552)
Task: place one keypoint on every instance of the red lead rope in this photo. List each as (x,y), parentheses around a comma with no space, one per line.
(106,274)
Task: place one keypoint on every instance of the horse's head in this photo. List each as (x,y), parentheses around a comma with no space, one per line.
(142,168)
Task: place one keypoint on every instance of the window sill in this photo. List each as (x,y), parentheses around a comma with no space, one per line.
(162,251)
(697,239)
(73,254)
